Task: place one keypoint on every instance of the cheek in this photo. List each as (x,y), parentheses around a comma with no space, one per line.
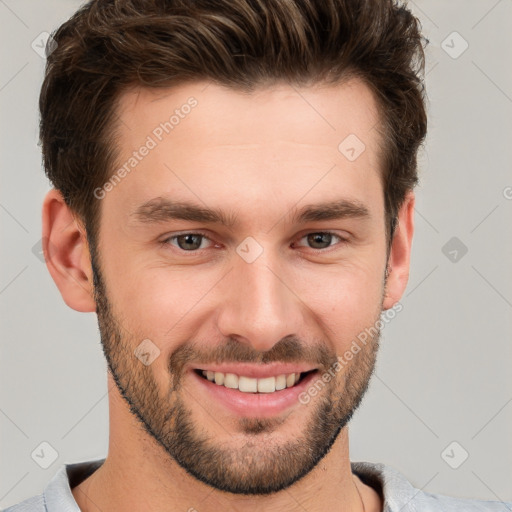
(346,300)
(158,301)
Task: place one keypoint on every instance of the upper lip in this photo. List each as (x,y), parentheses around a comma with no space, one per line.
(257,371)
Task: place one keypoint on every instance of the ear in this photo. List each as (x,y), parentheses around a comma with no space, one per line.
(400,252)
(66,252)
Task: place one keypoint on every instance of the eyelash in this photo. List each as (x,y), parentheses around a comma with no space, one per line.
(166,242)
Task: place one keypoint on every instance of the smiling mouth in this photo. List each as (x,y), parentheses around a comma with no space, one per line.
(253,385)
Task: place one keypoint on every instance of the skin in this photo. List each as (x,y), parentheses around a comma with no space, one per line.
(261,156)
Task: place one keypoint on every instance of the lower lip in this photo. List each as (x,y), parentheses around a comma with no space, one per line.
(255,405)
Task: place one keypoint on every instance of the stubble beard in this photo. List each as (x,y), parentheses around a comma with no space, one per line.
(261,465)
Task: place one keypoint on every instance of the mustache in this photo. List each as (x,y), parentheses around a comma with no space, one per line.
(288,350)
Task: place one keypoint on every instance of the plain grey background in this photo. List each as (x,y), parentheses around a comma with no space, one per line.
(443,386)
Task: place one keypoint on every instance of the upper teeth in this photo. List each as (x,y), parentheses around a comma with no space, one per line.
(251,385)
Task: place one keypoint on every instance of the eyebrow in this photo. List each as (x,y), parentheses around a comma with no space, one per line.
(161,209)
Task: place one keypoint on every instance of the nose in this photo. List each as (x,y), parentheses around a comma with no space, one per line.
(257,303)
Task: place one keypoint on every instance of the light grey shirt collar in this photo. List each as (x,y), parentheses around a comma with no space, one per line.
(397,493)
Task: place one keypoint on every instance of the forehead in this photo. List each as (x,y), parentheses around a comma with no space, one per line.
(276,143)
(319,114)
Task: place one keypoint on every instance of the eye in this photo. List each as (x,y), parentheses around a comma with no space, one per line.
(322,239)
(193,242)
(190,242)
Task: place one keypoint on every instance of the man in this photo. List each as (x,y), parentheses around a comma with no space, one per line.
(233,196)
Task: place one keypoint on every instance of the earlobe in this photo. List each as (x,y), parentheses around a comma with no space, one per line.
(400,253)
(67,253)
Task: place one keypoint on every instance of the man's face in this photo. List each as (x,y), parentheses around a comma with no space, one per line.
(273,290)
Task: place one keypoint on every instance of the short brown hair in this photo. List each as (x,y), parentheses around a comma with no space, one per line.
(108,46)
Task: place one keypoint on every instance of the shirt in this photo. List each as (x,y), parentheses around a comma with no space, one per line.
(396,492)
